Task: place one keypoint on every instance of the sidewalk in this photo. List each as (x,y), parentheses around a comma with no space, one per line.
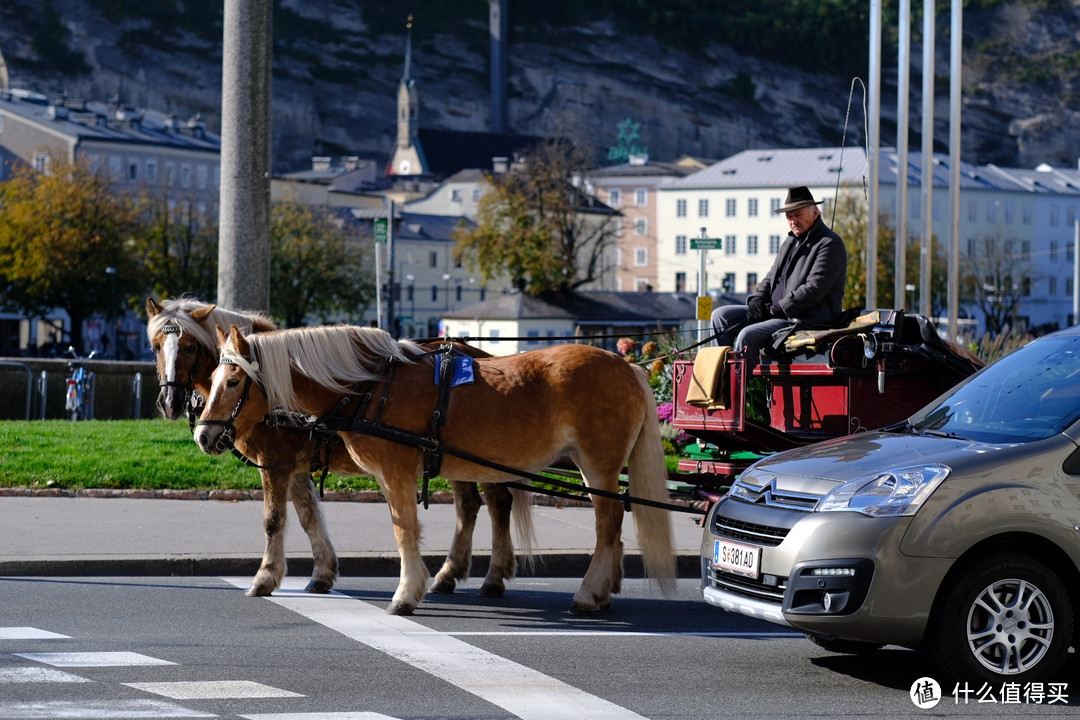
(74,536)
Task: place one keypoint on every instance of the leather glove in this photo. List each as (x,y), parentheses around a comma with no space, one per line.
(756,310)
(778,312)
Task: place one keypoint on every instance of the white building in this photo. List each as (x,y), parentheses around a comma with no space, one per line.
(735,200)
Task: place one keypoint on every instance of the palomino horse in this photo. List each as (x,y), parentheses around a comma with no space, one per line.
(183,334)
(522,411)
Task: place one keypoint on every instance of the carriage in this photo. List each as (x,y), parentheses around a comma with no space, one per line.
(871,370)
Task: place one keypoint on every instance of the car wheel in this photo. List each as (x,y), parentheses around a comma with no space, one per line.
(1005,618)
(844,647)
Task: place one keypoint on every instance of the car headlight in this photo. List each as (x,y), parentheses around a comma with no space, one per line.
(894,493)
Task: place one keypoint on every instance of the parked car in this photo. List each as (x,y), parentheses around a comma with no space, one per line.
(956,531)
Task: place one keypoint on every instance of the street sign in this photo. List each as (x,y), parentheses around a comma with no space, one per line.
(380,230)
(706,243)
(704,307)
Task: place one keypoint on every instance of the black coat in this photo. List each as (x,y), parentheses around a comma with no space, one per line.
(806,281)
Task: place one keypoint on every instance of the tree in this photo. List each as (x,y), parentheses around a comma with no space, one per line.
(178,249)
(997,278)
(59,232)
(537,224)
(316,268)
(852,224)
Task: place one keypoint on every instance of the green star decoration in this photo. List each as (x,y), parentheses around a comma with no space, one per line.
(628,131)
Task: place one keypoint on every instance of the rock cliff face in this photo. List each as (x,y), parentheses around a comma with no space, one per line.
(335,80)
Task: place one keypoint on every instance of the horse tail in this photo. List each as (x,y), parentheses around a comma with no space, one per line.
(648,481)
(523,527)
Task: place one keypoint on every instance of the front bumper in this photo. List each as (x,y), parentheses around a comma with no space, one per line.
(837,574)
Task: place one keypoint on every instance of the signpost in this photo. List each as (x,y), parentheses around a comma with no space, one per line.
(704,303)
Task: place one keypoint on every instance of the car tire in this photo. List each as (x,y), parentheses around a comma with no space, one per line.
(1006,618)
(844,647)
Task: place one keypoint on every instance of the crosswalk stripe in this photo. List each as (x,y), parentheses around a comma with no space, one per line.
(212,689)
(96,710)
(29,633)
(94,659)
(518,689)
(38,674)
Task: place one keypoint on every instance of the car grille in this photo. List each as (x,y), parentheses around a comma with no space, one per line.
(751,490)
(749,532)
(769,589)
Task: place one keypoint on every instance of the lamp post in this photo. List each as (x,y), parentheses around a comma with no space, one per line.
(911,296)
(446,281)
(111,272)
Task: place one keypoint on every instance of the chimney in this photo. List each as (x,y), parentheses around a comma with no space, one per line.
(352,162)
(500,165)
(320,163)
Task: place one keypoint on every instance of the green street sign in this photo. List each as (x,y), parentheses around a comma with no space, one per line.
(706,243)
(380,230)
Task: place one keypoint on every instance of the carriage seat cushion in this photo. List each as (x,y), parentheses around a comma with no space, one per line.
(819,339)
(707,381)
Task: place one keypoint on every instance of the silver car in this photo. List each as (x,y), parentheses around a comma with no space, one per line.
(957,531)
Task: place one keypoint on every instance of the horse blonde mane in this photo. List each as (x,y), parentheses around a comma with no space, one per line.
(333,356)
(177,311)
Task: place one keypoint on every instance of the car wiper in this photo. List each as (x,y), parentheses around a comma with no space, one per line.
(937,433)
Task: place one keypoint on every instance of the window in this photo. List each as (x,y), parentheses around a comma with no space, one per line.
(1025,249)
(973,213)
(774,204)
(1069,252)
(1053,250)
(434,293)
(641,197)
(729,244)
(1009,213)
(151,172)
(1053,286)
(133,170)
(476,193)
(680,244)
(751,207)
(729,207)
(991,211)
(680,282)
(971,247)
(703,207)
(170,174)
(680,208)
(114,167)
(774,244)
(457,294)
(751,245)
(41,162)
(1068,286)
(185,175)
(641,226)
(433,259)
(201,177)
(641,257)
(729,282)
(614,197)
(1025,213)
(455,195)
(751,282)
(1055,215)
(534,337)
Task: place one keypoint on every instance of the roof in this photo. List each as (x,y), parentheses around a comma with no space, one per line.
(109,122)
(449,151)
(586,308)
(648,169)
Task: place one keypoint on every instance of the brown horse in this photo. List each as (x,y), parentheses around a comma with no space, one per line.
(183,334)
(521,411)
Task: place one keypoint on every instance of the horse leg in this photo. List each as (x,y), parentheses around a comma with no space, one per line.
(503,564)
(605,573)
(400,493)
(459,559)
(309,511)
(275,485)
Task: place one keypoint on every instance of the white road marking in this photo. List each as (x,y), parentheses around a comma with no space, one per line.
(518,689)
(29,633)
(96,710)
(37,675)
(93,659)
(212,690)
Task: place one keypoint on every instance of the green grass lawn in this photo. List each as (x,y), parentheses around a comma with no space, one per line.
(137,454)
(131,454)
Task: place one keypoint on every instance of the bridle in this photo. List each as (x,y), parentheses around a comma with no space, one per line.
(225,441)
(189,387)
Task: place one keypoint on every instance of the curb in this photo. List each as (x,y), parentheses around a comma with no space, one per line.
(552,564)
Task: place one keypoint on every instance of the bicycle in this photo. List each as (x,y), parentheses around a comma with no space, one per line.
(79,403)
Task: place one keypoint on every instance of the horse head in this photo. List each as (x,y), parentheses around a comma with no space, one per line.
(236,401)
(183,360)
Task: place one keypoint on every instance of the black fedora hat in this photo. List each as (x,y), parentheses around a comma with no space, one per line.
(798,197)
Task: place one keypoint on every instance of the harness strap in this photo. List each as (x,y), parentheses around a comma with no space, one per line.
(433,458)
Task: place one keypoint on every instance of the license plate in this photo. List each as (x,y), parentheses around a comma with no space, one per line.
(737,558)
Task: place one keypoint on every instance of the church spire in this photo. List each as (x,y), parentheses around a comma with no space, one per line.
(407,158)
(408,51)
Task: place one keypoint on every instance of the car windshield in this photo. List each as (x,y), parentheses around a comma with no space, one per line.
(1031,394)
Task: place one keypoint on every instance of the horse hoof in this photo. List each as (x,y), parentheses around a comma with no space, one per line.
(400,609)
(491,590)
(443,587)
(318,587)
(578,608)
(259,591)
